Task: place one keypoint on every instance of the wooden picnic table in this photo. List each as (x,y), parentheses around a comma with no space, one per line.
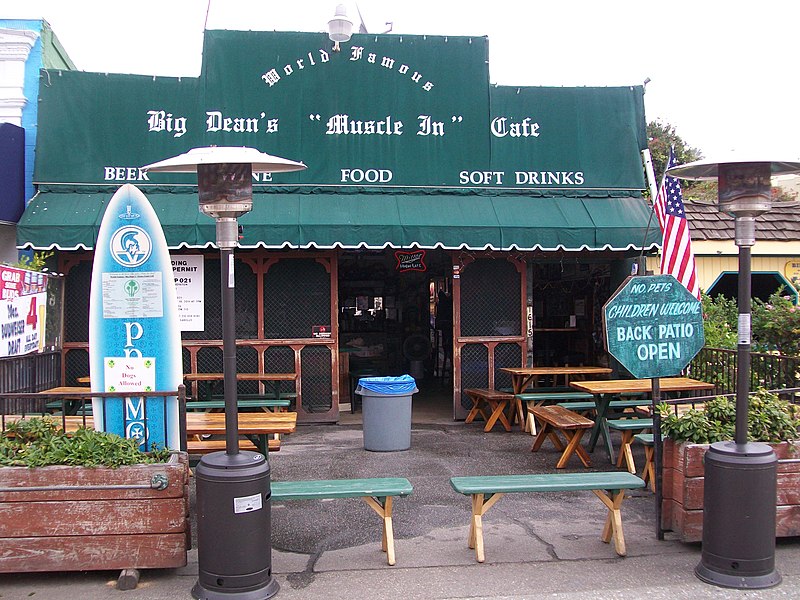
(605,390)
(523,377)
(67,397)
(255,426)
(67,390)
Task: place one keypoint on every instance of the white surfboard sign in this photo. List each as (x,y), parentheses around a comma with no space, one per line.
(134,332)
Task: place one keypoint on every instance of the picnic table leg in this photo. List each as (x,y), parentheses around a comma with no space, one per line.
(498,412)
(479,508)
(626,453)
(573,446)
(613,524)
(518,415)
(601,427)
(260,441)
(383,506)
(648,473)
(475,410)
(544,433)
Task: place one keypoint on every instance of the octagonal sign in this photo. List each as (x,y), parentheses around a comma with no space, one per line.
(653,326)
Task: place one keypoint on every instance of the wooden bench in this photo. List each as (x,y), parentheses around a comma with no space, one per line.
(206,446)
(540,398)
(628,428)
(487,490)
(377,493)
(497,402)
(557,421)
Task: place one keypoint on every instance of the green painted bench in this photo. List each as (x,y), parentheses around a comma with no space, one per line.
(614,404)
(628,428)
(609,487)
(376,492)
(72,406)
(265,401)
(275,395)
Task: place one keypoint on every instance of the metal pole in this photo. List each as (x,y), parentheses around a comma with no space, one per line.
(229,351)
(657,454)
(743,348)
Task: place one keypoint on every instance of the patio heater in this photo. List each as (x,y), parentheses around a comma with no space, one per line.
(740,476)
(233,487)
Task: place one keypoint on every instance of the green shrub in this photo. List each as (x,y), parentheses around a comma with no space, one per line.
(40,441)
(769,419)
(720,317)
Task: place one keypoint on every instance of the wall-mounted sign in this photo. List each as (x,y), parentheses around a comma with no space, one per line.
(321,331)
(387,112)
(410,261)
(22,322)
(792,270)
(21,282)
(188,273)
(23,312)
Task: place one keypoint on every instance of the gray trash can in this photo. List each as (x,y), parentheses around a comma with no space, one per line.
(386,412)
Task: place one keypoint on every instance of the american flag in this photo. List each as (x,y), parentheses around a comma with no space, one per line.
(677,258)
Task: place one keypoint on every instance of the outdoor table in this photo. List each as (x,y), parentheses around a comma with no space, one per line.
(522,377)
(214,378)
(69,396)
(255,426)
(604,391)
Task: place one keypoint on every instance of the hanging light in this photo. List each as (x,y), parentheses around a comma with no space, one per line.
(340,27)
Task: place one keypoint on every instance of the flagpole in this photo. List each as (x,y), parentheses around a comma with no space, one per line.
(651,176)
(651,182)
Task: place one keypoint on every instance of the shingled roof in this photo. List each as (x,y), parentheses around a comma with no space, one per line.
(781,224)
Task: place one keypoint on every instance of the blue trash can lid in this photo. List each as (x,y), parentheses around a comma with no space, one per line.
(400,385)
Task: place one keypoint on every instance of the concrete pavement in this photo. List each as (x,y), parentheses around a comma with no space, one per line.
(537,545)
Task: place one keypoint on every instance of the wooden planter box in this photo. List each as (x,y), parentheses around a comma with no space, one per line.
(682,504)
(94,523)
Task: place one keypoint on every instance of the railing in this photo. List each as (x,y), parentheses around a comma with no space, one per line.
(769,371)
(28,374)
(74,409)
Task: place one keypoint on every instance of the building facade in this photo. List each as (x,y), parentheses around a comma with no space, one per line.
(444,227)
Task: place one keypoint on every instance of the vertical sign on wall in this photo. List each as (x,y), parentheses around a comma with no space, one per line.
(23,312)
(188,273)
(134,337)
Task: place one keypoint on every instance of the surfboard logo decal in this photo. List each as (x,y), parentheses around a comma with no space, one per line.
(130,246)
(128,214)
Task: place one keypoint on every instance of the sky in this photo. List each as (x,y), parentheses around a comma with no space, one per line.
(718,72)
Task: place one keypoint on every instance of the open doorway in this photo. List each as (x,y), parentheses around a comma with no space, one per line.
(388,308)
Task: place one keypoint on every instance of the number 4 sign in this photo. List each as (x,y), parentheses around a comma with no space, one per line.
(22,323)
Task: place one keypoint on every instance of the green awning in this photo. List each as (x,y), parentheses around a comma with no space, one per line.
(71,220)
